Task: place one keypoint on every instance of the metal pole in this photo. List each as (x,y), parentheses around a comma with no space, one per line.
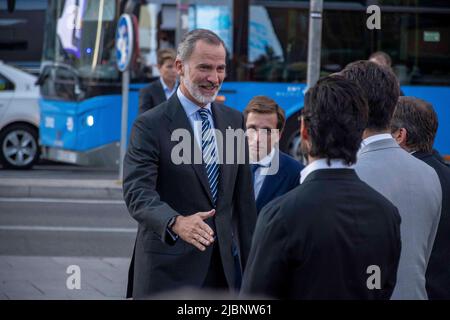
(239,57)
(314,42)
(182,20)
(123,136)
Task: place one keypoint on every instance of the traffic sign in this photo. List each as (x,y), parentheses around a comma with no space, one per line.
(124,42)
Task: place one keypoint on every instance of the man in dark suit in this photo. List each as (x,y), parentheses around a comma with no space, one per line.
(274,172)
(414,126)
(189,207)
(332,237)
(162,88)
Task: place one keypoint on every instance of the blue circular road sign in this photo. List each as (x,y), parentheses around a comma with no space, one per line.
(124,42)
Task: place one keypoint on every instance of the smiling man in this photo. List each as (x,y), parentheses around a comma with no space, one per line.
(185,211)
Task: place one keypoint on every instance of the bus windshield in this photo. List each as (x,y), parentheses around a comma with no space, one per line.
(80,34)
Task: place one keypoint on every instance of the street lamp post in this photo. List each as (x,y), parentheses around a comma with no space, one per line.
(314,42)
(182,20)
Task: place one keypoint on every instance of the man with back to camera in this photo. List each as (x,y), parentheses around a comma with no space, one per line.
(187,212)
(323,239)
(414,126)
(383,59)
(411,185)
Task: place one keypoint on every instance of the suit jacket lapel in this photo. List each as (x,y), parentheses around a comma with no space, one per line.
(180,120)
(269,187)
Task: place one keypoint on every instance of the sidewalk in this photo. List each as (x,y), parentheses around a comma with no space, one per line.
(27,277)
(61,182)
(44,276)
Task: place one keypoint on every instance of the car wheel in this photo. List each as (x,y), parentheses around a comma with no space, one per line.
(19,146)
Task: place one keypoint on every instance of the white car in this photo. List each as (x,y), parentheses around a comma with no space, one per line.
(19,118)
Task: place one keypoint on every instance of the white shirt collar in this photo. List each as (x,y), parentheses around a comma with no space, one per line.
(190,107)
(322,164)
(165,86)
(267,160)
(374,138)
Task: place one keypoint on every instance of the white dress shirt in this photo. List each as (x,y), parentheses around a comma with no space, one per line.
(261,172)
(167,91)
(194,117)
(374,138)
(322,164)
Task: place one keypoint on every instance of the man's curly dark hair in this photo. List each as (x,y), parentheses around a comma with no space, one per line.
(381,88)
(335,115)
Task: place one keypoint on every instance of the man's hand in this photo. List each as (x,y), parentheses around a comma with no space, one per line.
(193,230)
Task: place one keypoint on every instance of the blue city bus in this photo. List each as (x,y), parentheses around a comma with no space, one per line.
(267,55)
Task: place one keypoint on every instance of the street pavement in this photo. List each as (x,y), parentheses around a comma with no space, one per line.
(61,181)
(55,217)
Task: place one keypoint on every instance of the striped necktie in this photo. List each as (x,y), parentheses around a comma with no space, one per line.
(209,154)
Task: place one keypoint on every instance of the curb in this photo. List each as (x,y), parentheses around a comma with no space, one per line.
(58,188)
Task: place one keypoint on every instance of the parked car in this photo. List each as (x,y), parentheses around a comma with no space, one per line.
(19,118)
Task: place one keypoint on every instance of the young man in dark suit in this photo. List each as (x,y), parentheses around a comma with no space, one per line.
(274,172)
(414,126)
(332,237)
(187,210)
(162,88)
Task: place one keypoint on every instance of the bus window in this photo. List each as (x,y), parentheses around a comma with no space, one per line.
(83,37)
(157,24)
(344,39)
(98,58)
(418,3)
(216,16)
(419,44)
(278,45)
(145,66)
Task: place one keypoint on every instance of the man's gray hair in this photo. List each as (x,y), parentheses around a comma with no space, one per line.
(187,44)
(419,119)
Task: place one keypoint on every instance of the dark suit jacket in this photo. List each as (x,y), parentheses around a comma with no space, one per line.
(286,179)
(438,270)
(151,96)
(155,190)
(317,241)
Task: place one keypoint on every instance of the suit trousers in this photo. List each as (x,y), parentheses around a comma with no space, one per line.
(215,279)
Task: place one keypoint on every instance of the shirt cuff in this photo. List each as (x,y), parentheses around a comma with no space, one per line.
(170,235)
